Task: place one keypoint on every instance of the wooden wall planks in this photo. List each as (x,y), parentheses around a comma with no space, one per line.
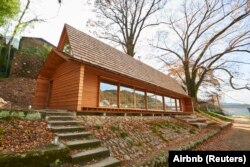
(41,94)
(65,89)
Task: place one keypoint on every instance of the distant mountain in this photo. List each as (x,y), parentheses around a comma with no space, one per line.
(234,104)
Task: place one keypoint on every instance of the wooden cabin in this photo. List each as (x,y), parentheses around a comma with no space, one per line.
(85,74)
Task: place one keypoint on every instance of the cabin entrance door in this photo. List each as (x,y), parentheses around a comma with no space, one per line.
(49,93)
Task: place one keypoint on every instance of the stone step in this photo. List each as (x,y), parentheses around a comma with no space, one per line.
(72,136)
(107,162)
(60,118)
(199,124)
(89,155)
(81,144)
(57,113)
(210,122)
(185,116)
(63,129)
(195,120)
(60,123)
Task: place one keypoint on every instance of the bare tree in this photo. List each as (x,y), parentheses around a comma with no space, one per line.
(209,35)
(122,21)
(22,23)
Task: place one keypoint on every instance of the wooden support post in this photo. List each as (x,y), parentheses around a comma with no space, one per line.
(118,95)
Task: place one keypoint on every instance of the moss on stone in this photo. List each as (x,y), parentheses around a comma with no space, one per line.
(38,158)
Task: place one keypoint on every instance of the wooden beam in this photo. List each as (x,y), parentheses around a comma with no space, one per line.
(98,91)
(80,87)
(118,95)
(164,107)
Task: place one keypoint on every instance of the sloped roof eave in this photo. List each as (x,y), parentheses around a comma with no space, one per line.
(102,68)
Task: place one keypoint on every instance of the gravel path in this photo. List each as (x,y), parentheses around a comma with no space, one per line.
(233,138)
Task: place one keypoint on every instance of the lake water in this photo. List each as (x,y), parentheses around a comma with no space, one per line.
(236,111)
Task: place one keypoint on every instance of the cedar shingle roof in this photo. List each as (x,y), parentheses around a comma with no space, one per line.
(92,51)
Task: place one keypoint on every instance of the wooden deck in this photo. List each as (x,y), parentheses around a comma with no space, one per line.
(128,112)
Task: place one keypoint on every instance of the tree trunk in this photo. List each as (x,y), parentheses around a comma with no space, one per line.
(18,23)
(130,47)
(191,85)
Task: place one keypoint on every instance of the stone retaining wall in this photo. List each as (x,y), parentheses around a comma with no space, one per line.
(162,159)
(26,66)
(52,156)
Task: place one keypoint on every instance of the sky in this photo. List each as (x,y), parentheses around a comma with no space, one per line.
(77,12)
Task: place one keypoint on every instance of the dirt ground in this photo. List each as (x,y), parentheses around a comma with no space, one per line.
(19,135)
(19,91)
(234,138)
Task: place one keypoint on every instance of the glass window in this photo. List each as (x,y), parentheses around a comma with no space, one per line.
(108,95)
(169,103)
(159,102)
(126,97)
(140,99)
(67,48)
(151,101)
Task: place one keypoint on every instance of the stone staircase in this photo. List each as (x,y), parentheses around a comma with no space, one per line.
(85,151)
(195,120)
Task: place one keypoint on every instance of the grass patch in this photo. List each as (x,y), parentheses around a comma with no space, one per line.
(123,134)
(98,126)
(115,128)
(138,143)
(216,115)
(177,131)
(120,132)
(192,131)
(171,125)
(156,128)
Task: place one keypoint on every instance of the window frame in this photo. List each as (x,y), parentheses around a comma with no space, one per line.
(117,90)
(145,98)
(130,87)
(173,101)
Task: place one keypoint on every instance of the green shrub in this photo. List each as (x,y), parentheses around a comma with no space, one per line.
(30,115)
(34,51)
(17,114)
(33,116)
(4,114)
